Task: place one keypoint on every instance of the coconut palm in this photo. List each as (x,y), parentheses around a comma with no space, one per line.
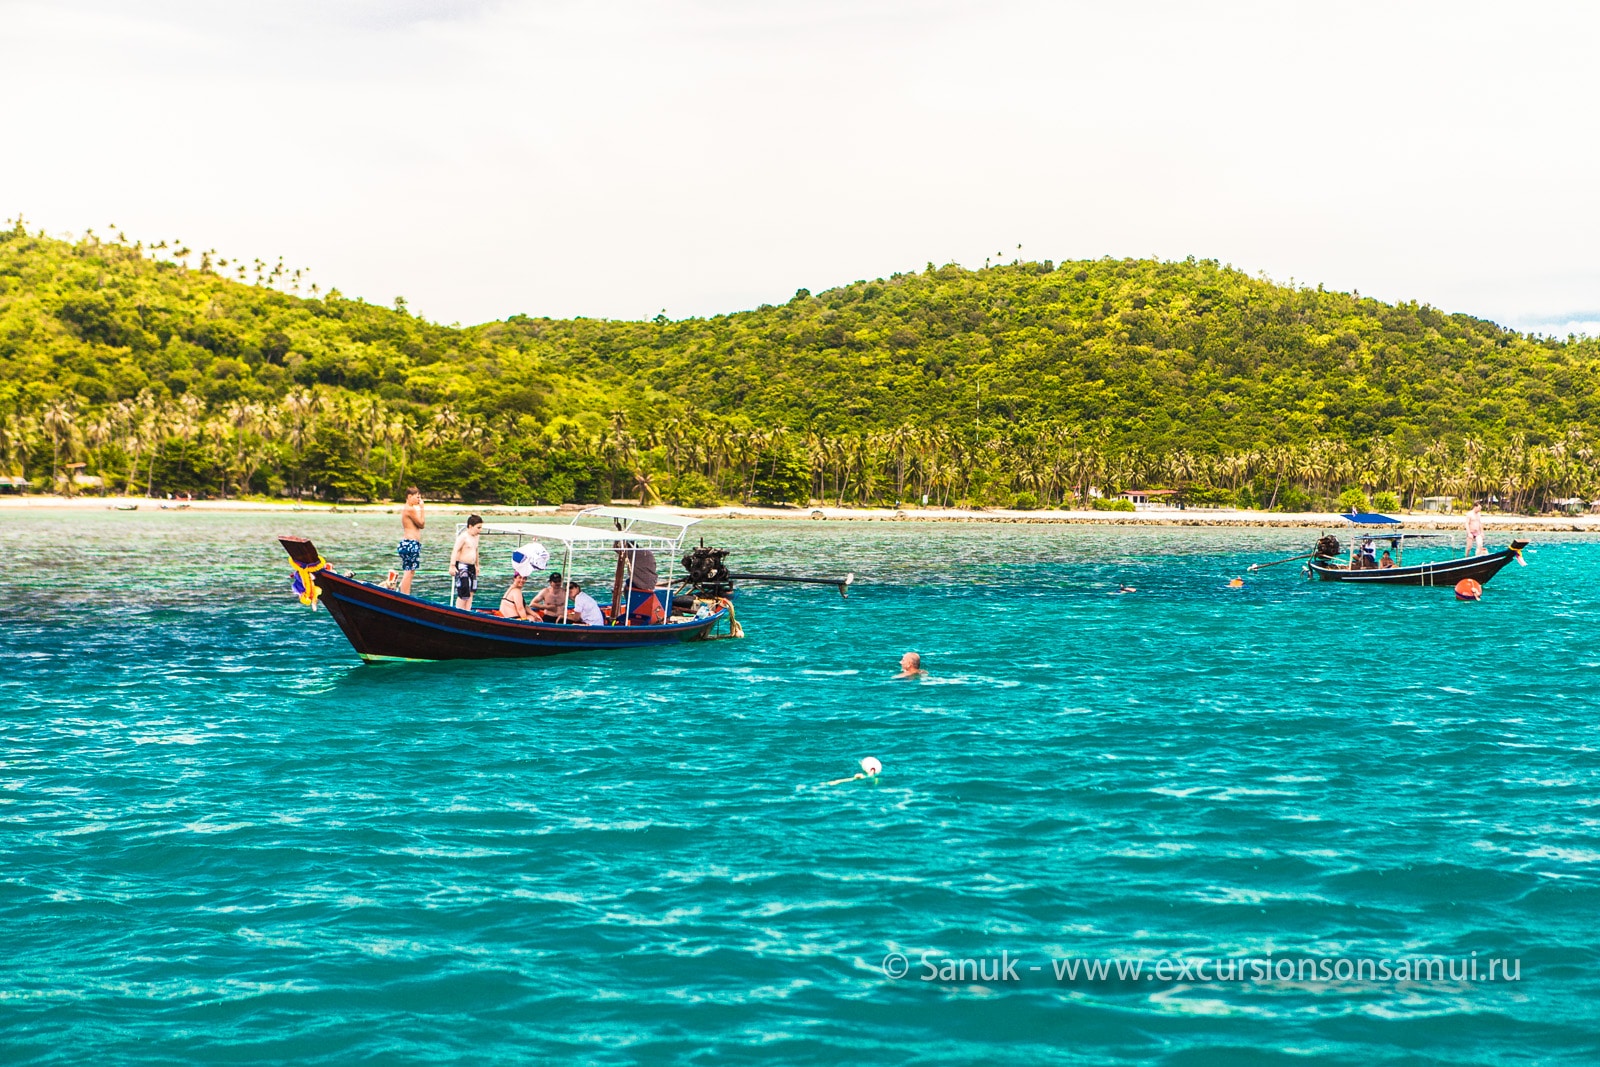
(60,422)
(644,482)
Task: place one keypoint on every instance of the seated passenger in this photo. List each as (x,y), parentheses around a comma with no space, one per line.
(584,609)
(548,600)
(1386,562)
(1369,557)
(511,603)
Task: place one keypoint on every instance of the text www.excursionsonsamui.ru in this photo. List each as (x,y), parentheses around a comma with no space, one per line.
(1006,967)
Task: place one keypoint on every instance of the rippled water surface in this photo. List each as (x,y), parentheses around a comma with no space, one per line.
(223,839)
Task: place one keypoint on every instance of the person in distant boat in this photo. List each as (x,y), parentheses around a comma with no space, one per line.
(911,666)
(547,601)
(464,562)
(511,602)
(1475,530)
(1385,561)
(584,609)
(410,549)
(1368,558)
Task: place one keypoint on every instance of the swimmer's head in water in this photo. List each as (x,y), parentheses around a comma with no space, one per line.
(911,661)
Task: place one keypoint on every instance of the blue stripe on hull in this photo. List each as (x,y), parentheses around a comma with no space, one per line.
(384,625)
(665,634)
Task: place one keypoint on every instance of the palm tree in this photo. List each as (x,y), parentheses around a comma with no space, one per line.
(11,441)
(900,443)
(441,427)
(155,422)
(644,481)
(59,421)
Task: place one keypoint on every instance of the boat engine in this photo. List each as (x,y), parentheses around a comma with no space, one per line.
(1328,546)
(706,573)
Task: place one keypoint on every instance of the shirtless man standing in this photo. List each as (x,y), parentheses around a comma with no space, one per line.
(410,549)
(1475,530)
(464,562)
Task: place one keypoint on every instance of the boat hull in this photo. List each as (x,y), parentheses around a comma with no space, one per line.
(382,624)
(1440,573)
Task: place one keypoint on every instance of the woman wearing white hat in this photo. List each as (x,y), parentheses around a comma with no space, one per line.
(523,562)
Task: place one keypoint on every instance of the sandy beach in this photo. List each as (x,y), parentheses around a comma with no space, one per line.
(1220,517)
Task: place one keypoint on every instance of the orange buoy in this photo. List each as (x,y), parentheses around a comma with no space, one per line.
(1237,583)
(1469,589)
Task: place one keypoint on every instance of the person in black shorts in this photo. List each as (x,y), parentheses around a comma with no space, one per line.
(464,562)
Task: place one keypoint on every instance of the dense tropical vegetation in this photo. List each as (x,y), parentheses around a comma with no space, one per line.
(1030,384)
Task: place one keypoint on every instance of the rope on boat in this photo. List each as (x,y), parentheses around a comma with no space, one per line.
(305,584)
(734,629)
(722,603)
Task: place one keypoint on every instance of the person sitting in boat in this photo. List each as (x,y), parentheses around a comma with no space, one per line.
(641,565)
(511,602)
(584,609)
(1385,561)
(547,601)
(1368,558)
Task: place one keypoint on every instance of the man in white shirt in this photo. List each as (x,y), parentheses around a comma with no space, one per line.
(584,607)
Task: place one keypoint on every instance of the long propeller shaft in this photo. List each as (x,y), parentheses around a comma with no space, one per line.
(1274,563)
(842,584)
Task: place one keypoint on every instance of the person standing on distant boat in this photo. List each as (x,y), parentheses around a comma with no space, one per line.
(1475,530)
(464,562)
(410,548)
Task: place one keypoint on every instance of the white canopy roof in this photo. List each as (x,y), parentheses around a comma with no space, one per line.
(577,534)
(633,515)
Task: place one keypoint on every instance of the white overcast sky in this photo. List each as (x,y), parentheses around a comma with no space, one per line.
(616,159)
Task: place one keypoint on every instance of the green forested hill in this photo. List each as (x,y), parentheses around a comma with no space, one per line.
(1162,354)
(1023,383)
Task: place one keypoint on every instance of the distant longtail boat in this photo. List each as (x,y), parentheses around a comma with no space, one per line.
(1363,567)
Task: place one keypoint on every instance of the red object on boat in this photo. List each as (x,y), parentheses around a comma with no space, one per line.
(1469,589)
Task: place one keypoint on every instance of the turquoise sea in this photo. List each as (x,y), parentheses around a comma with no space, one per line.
(225,840)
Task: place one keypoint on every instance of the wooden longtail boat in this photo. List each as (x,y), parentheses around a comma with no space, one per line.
(1445,572)
(384,624)
(1363,568)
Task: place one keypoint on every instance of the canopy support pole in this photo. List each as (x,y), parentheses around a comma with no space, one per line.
(566,584)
